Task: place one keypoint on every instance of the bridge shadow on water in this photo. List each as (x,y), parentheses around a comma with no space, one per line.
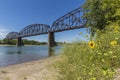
(51,51)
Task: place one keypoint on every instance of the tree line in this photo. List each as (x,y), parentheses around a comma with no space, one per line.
(25,41)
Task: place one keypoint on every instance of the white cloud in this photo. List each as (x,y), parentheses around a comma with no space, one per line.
(3,32)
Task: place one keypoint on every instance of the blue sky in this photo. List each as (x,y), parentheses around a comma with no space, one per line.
(17,14)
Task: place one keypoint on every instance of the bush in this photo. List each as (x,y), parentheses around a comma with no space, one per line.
(94,60)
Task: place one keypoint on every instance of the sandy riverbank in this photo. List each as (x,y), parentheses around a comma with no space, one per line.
(35,70)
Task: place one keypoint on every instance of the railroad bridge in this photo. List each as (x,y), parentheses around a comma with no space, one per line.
(71,20)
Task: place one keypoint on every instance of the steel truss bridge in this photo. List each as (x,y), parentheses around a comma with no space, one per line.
(71,20)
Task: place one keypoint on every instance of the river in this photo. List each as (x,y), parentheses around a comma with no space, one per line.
(10,55)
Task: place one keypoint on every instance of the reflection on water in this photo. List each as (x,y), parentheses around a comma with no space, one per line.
(13,55)
(19,50)
(51,51)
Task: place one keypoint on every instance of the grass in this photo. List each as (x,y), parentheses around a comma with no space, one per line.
(94,60)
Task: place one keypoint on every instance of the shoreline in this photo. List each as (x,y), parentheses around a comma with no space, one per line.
(41,69)
(24,45)
(25,62)
(34,70)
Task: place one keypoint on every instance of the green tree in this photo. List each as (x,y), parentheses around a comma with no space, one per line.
(10,42)
(100,13)
(0,41)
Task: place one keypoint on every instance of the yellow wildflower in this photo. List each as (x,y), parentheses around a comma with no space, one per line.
(91,44)
(113,43)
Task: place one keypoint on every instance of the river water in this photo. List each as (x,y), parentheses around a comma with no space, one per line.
(10,55)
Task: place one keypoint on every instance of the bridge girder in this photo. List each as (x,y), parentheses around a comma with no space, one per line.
(34,29)
(71,20)
(12,35)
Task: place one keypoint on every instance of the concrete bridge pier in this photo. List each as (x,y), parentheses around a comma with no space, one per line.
(19,42)
(51,39)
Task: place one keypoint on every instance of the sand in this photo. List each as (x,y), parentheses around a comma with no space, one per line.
(117,76)
(34,70)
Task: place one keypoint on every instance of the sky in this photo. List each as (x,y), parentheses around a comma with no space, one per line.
(17,14)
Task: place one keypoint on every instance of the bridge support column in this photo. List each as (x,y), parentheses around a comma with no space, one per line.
(19,42)
(51,39)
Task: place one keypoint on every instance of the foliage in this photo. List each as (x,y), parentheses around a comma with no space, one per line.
(101,13)
(25,41)
(10,42)
(32,42)
(83,62)
(0,41)
(98,58)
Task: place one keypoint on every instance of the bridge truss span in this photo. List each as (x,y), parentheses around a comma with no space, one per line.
(71,20)
(12,35)
(34,29)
